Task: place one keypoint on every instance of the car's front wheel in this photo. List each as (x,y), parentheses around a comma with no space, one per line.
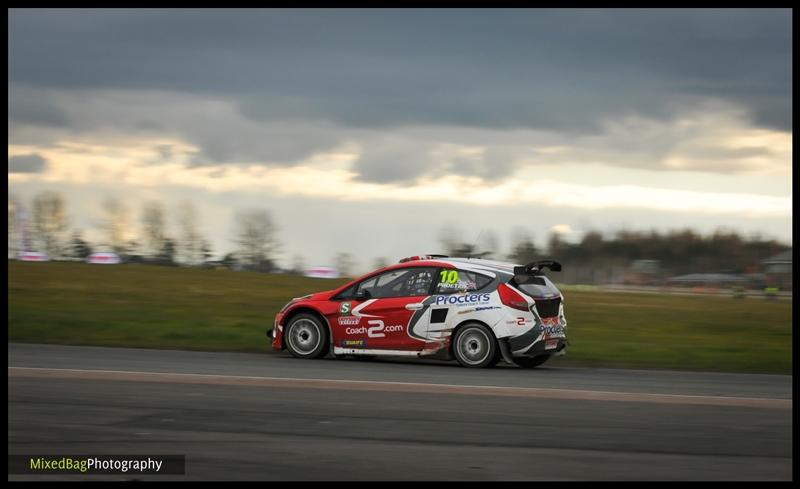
(474,346)
(306,337)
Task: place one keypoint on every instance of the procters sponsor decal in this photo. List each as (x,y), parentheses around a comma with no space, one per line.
(375,329)
(462,300)
(460,285)
(552,331)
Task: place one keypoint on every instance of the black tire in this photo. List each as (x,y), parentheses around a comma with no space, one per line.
(474,346)
(306,337)
(531,362)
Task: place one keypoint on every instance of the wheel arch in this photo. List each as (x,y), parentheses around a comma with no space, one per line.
(305,309)
(464,323)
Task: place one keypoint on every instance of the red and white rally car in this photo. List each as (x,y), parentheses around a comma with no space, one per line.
(474,310)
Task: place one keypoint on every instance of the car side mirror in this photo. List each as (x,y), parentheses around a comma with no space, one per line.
(363,295)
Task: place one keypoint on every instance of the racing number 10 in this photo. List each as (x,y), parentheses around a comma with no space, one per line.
(449,277)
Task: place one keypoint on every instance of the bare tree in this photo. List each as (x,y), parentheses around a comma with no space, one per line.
(344,263)
(381,262)
(487,244)
(79,249)
(50,222)
(450,239)
(190,242)
(298,264)
(523,250)
(116,224)
(555,244)
(205,250)
(255,235)
(153,231)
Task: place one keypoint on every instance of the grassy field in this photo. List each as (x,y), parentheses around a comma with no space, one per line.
(161,307)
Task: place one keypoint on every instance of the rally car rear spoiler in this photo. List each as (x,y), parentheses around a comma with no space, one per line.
(535,267)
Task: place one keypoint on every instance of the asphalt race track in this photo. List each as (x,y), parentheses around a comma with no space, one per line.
(265,416)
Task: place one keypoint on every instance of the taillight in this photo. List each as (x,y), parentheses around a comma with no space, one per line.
(511,298)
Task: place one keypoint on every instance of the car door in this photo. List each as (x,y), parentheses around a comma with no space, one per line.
(381,321)
(454,299)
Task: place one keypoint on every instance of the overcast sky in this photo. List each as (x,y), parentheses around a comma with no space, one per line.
(369,131)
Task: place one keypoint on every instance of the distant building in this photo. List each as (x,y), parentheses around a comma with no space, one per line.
(32,256)
(644,272)
(104,258)
(778,270)
(322,272)
(708,279)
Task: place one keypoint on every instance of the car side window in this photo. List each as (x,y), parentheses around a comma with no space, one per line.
(404,282)
(450,281)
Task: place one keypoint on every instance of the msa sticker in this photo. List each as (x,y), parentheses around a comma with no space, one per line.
(344,309)
(549,345)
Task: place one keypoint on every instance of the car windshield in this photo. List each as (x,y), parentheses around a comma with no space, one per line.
(400,283)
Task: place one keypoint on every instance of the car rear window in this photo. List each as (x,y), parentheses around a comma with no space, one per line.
(539,286)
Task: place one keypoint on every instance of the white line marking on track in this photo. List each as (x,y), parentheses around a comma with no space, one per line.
(371,385)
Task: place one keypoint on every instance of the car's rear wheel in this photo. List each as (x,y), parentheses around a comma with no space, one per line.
(474,346)
(531,362)
(306,337)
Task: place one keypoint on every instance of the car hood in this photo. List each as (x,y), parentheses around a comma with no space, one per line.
(317,296)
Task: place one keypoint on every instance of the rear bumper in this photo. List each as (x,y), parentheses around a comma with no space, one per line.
(546,347)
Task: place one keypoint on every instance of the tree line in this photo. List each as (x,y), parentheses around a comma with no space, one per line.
(44,226)
(678,252)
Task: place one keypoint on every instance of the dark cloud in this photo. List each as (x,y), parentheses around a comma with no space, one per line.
(165,151)
(31,163)
(562,70)
(35,107)
(394,161)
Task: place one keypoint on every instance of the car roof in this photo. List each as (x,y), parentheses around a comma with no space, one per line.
(475,264)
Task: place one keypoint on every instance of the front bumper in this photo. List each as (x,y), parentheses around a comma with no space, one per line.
(275,332)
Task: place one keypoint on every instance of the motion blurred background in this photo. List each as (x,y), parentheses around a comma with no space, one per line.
(175,177)
(213,158)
